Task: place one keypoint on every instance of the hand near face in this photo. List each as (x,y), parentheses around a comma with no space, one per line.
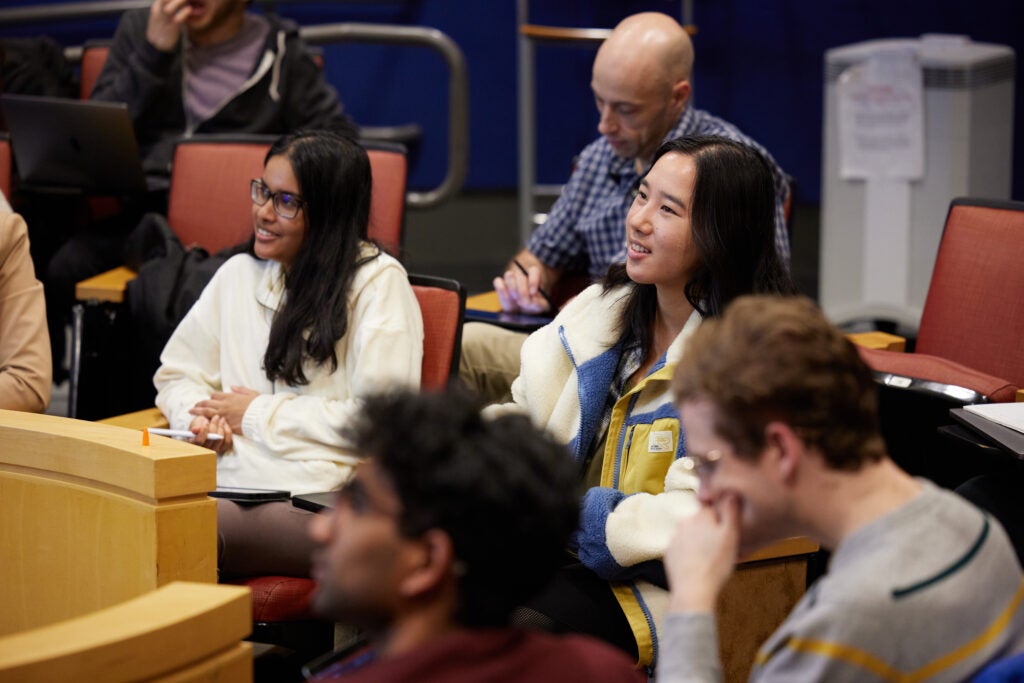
(166,17)
(230,406)
(202,426)
(702,554)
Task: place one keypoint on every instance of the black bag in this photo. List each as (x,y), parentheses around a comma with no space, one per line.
(170,280)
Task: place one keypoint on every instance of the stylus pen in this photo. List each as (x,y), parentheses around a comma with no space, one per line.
(551,304)
(181,434)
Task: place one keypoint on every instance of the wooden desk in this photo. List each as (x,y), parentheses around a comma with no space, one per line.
(140,419)
(89,517)
(486,301)
(109,286)
(183,632)
(760,594)
(878,340)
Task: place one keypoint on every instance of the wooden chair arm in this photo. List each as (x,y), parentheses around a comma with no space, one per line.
(878,340)
(109,286)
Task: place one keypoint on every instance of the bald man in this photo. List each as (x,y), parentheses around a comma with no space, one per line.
(641,84)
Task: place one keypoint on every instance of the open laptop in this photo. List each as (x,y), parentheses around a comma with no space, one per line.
(66,144)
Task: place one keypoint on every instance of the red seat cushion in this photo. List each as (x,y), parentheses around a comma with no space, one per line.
(935,369)
(279,598)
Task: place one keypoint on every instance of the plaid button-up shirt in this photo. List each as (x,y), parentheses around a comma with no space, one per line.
(586,228)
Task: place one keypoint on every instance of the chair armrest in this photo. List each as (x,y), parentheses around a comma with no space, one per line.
(878,340)
(918,368)
(140,419)
(1020,394)
(109,286)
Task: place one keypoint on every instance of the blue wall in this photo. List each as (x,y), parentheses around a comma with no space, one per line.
(759,64)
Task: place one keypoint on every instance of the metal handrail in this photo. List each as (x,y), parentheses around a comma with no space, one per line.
(67,11)
(458,80)
(458,90)
(527,124)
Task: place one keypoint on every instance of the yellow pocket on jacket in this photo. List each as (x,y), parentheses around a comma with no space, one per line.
(649,451)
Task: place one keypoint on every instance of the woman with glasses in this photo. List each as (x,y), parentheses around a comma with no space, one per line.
(285,340)
(699,233)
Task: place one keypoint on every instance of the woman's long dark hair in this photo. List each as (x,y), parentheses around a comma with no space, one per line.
(732,221)
(334,179)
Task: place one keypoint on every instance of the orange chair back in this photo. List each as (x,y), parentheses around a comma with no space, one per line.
(209,202)
(5,166)
(387,205)
(443,305)
(94,55)
(972,314)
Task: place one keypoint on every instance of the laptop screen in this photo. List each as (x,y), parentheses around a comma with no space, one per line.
(73,144)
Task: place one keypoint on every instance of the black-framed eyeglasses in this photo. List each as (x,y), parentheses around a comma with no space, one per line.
(702,465)
(286,204)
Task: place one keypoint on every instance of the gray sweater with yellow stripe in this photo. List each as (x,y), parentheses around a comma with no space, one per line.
(930,592)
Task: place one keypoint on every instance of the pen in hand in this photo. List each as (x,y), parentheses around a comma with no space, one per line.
(181,434)
(540,290)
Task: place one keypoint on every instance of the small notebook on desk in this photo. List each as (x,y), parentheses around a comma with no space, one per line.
(999,435)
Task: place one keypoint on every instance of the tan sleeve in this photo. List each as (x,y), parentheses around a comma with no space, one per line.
(25,367)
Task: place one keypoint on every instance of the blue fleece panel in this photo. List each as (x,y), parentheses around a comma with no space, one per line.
(593,380)
(598,503)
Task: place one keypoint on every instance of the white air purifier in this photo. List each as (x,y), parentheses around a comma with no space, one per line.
(897,150)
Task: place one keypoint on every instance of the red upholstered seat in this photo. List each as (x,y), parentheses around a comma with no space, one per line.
(972,315)
(94,55)
(279,598)
(442,306)
(967,346)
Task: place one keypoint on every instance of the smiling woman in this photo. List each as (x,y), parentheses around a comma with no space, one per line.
(700,232)
(278,221)
(286,340)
